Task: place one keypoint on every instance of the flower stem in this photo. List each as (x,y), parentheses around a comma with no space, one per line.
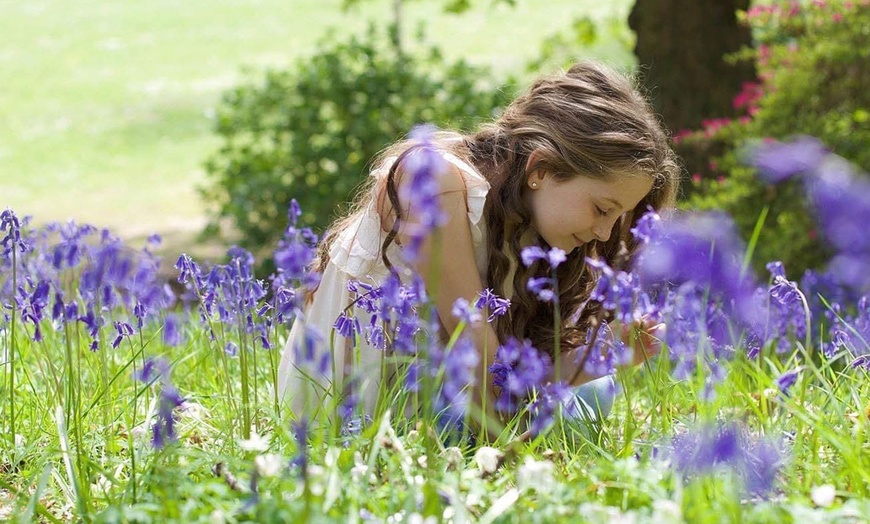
(11,358)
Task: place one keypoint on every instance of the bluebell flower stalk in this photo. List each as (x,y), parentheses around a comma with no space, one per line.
(11,245)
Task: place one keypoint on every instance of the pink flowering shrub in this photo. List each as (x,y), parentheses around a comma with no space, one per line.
(813,79)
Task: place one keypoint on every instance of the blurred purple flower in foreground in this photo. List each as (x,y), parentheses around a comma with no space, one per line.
(780,161)
(728,447)
(838,195)
(703,249)
(425,166)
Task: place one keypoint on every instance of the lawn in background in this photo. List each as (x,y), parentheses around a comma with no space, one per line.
(105,106)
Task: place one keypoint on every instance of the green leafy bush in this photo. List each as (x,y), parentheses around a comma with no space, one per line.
(309,132)
(814,78)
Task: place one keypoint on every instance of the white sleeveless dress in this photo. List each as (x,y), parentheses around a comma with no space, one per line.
(355,255)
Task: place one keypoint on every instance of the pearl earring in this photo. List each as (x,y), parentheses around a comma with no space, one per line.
(534,185)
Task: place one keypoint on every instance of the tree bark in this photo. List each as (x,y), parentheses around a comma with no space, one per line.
(681,46)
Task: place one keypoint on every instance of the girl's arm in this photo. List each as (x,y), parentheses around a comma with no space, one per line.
(447,265)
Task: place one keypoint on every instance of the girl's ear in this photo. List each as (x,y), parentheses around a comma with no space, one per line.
(534,175)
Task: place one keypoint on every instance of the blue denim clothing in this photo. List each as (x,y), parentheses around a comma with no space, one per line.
(595,398)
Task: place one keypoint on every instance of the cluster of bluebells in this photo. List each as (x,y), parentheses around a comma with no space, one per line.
(163,430)
(231,294)
(519,369)
(76,274)
(786,313)
(394,323)
(707,300)
(756,461)
(839,197)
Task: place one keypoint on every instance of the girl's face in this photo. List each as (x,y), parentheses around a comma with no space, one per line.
(570,213)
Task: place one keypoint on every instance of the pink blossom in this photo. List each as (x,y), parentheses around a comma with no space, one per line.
(696,178)
(681,134)
(712,125)
(749,94)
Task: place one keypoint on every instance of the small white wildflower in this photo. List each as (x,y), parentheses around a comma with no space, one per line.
(268,465)
(488,459)
(535,474)
(422,460)
(416,518)
(453,457)
(20,441)
(359,469)
(217,517)
(666,511)
(824,495)
(255,443)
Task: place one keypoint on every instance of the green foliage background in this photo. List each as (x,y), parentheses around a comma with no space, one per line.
(309,132)
(814,74)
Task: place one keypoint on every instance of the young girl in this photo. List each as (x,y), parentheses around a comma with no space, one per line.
(572,163)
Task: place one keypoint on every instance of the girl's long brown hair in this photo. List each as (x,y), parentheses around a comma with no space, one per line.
(588,121)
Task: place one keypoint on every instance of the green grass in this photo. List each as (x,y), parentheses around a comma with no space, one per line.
(105,106)
(592,474)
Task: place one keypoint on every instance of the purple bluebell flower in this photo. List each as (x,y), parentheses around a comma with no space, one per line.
(554,257)
(459,364)
(163,430)
(518,369)
(727,446)
(788,379)
(705,250)
(171,330)
(862,361)
(839,197)
(425,165)
(606,355)
(124,330)
(780,161)
(299,429)
(548,399)
(620,292)
(347,326)
(496,305)
(463,311)
(646,228)
(786,314)
(542,287)
(231,349)
(532,254)
(10,226)
(188,270)
(35,303)
(93,322)
(310,354)
(761,463)
(154,240)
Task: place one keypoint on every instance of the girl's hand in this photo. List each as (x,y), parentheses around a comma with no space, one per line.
(645,339)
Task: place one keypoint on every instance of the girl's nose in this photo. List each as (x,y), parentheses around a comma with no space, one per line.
(601,233)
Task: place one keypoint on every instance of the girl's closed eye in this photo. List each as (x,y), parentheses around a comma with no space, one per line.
(601,211)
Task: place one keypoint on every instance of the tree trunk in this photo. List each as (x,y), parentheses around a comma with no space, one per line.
(681,46)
